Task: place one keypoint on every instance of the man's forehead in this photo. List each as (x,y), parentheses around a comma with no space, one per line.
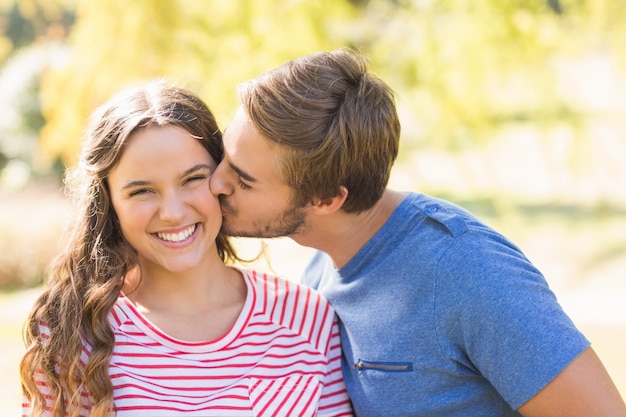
(239,121)
(248,153)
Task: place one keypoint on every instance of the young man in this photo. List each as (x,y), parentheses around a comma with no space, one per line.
(440,315)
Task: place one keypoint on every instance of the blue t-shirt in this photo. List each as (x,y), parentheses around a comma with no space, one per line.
(442,316)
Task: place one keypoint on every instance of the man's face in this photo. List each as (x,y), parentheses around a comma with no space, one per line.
(255,200)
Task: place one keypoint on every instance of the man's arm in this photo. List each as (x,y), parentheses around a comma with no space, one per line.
(582,389)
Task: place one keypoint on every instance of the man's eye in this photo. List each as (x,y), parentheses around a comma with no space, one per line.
(242,184)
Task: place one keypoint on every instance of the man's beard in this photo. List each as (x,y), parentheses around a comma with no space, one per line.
(287,223)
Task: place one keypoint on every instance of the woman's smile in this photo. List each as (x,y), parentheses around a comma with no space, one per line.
(178,237)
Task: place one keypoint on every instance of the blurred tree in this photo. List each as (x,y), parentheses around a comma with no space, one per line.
(466,68)
(24,22)
(207,46)
(28,30)
(461,69)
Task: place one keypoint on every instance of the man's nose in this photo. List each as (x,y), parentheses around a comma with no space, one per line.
(219,183)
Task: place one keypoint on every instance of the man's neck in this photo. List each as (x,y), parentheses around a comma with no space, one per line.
(341,235)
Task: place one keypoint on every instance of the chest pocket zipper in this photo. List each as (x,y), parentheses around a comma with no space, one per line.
(362,365)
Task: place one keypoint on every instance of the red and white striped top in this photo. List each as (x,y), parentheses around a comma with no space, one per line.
(281,358)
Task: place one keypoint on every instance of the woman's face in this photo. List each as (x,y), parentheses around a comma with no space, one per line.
(160,193)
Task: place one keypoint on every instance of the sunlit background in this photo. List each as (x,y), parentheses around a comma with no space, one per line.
(515,110)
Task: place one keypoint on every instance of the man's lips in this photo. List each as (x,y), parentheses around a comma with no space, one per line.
(226,208)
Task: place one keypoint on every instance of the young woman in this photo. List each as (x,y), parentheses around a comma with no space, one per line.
(141,314)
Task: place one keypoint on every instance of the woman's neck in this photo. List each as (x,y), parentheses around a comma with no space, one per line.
(191,306)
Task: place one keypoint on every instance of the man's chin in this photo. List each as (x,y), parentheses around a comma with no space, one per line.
(227,231)
(289,226)
(233,232)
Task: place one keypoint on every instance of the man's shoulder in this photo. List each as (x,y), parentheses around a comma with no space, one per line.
(319,266)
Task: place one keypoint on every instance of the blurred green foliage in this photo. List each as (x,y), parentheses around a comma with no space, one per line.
(207,46)
(460,68)
(25,22)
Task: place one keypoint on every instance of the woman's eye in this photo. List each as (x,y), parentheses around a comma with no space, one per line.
(139,191)
(196,178)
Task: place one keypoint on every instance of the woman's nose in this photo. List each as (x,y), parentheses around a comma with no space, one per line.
(172,207)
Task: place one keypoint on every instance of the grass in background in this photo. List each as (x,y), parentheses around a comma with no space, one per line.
(31,229)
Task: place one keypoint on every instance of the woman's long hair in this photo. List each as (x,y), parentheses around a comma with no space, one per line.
(85,280)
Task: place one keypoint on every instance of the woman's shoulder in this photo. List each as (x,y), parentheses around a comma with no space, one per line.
(281,298)
(292,306)
(121,312)
(279,287)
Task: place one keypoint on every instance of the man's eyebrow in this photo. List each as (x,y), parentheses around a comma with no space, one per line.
(241,173)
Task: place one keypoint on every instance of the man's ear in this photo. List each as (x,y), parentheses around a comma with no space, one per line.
(331,204)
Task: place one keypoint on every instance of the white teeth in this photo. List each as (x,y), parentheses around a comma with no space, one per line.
(177,237)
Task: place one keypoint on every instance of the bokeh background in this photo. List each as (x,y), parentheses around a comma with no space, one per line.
(515,110)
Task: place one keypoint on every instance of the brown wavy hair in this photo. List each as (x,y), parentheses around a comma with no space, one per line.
(85,280)
(336,123)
